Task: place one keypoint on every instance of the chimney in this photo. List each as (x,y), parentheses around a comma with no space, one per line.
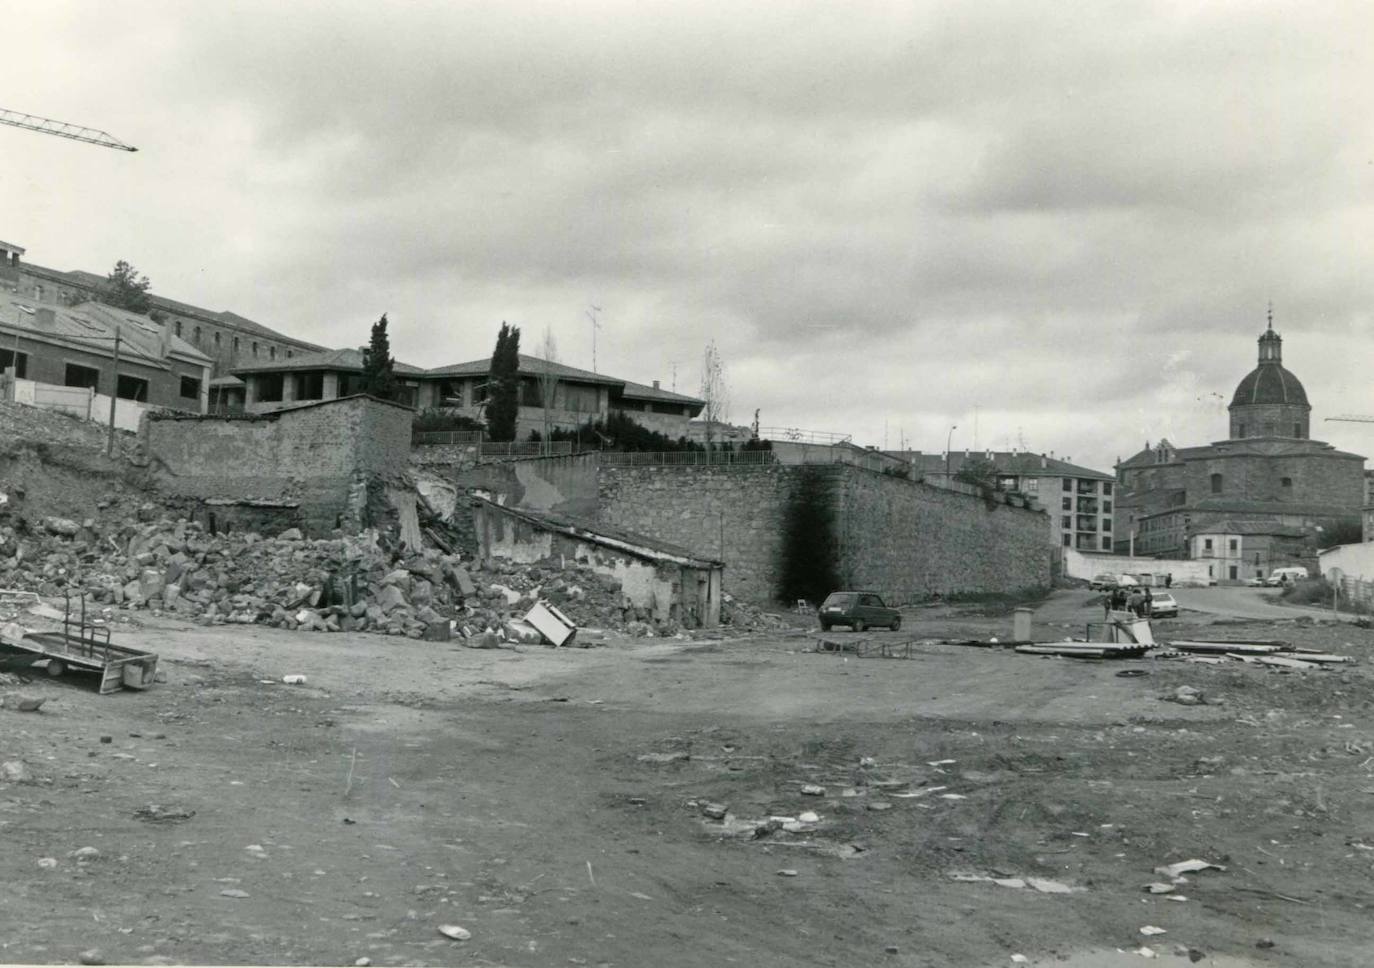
(655,384)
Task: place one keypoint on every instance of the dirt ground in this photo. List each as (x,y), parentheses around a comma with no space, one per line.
(551,803)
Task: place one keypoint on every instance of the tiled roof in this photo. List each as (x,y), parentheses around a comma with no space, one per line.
(638,391)
(348,360)
(1020,463)
(529,366)
(1242,526)
(1269,383)
(93,325)
(89,279)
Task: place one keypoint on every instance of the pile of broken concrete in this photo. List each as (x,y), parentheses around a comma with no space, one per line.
(360,582)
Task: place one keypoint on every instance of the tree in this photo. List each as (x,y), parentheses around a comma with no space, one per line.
(503,385)
(714,391)
(124,288)
(978,472)
(379,377)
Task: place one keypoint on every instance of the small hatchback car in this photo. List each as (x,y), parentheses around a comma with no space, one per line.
(858,610)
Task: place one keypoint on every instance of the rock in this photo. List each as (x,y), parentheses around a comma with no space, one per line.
(787,872)
(809,816)
(439,631)
(15,771)
(85,855)
(65,527)
(391,598)
(47,863)
(714,811)
(812,790)
(29,704)
(91,956)
(363,963)
(455,932)
(291,534)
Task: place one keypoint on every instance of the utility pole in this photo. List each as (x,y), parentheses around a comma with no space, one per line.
(114,392)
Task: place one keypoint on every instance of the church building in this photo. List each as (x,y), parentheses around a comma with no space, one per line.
(1256,501)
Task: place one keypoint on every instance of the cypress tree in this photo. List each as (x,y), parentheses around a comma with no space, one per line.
(503,387)
(379,378)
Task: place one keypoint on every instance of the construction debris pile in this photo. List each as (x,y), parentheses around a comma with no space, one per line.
(360,582)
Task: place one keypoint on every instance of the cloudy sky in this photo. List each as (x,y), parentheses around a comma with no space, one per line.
(1059,224)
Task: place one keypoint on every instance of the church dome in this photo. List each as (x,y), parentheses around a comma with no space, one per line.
(1270,383)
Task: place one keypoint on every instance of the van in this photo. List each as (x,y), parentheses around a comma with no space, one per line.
(1286,576)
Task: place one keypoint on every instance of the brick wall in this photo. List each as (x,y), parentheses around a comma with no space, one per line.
(900,538)
(328,457)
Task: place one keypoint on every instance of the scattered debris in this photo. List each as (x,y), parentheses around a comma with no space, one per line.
(233,892)
(787,872)
(1150,930)
(91,956)
(1187,867)
(156,813)
(714,811)
(455,932)
(293,680)
(812,790)
(678,756)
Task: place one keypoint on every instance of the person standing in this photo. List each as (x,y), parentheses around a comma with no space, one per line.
(1149,604)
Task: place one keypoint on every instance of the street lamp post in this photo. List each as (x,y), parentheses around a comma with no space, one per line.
(949,437)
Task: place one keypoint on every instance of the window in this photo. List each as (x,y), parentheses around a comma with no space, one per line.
(217,341)
(1032,485)
(1206,544)
(289,354)
(1297,430)
(82,376)
(310,385)
(255,347)
(1216,483)
(18,361)
(1233,572)
(236,346)
(176,327)
(1106,524)
(350,384)
(1066,522)
(1107,488)
(131,388)
(1106,544)
(1233,544)
(1066,504)
(271,352)
(38,293)
(1240,430)
(1068,484)
(1287,483)
(1068,539)
(270,387)
(1106,507)
(197,336)
(190,388)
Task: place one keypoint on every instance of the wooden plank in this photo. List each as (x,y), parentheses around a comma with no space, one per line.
(1225,648)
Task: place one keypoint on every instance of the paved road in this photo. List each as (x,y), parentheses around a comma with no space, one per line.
(1228,601)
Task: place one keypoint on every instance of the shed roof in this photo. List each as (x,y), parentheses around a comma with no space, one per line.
(608,535)
(92,326)
(348,360)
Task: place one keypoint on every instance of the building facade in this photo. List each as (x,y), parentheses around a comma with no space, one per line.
(1268,486)
(226,338)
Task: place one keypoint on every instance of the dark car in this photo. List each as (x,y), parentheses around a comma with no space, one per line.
(858,610)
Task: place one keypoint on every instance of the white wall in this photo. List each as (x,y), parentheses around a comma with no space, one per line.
(79,402)
(1185,571)
(1353,560)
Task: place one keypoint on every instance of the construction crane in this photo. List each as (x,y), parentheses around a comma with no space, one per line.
(62,129)
(1352,418)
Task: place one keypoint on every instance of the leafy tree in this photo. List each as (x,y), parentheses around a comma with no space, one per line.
(379,377)
(503,385)
(978,472)
(125,289)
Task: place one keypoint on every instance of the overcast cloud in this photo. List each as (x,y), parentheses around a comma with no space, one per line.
(1060,224)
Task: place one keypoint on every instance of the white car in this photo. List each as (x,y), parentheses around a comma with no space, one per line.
(1163,606)
(1255,582)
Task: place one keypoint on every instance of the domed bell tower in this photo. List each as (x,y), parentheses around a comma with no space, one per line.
(1270,401)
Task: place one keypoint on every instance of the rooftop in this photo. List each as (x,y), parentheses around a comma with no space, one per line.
(347,360)
(1020,463)
(93,325)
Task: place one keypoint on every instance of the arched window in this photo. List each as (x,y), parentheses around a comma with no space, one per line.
(1216,483)
(177,324)
(236,345)
(197,336)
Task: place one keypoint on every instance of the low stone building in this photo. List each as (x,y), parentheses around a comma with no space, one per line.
(332,461)
(666,582)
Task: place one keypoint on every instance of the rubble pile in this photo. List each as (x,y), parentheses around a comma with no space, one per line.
(358,582)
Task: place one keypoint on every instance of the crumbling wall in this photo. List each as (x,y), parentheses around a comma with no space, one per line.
(329,458)
(566,484)
(903,539)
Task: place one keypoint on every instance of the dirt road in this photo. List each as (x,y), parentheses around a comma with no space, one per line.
(551,804)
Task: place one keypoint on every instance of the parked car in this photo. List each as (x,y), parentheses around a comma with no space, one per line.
(1255,582)
(1102,583)
(1163,606)
(1127,581)
(858,610)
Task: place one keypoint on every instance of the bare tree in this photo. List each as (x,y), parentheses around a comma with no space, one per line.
(548,382)
(714,390)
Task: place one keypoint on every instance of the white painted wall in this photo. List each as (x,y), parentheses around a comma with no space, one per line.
(79,402)
(1186,571)
(1353,561)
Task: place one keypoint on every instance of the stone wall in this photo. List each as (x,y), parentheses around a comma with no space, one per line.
(1270,420)
(326,457)
(903,539)
(1321,476)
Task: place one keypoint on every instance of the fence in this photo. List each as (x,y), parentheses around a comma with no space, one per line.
(797,435)
(525,448)
(80,402)
(1355,593)
(446,437)
(680,458)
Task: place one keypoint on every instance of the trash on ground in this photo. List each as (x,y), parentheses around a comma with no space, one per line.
(455,932)
(1150,930)
(1187,867)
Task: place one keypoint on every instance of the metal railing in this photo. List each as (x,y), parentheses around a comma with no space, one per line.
(525,448)
(686,458)
(797,435)
(446,437)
